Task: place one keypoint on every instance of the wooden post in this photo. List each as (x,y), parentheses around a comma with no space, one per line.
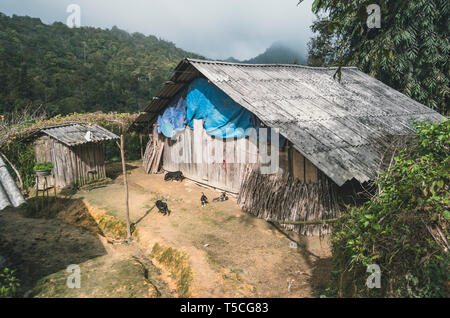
(125,183)
(142,150)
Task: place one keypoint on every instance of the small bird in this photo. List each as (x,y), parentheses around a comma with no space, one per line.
(162,207)
(204,199)
(222,198)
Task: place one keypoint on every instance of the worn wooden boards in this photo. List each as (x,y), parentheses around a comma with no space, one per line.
(220,163)
(153,154)
(212,161)
(78,165)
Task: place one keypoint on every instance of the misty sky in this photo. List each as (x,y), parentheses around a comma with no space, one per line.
(213,28)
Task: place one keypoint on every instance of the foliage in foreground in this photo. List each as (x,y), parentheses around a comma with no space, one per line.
(8,283)
(404,228)
(410,51)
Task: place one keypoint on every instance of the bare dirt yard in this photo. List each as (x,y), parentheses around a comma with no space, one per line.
(212,251)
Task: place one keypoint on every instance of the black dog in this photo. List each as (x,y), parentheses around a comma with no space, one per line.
(177,176)
(204,199)
(162,207)
(222,198)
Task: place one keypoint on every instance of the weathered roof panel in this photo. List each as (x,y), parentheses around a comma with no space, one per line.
(10,194)
(341,127)
(75,134)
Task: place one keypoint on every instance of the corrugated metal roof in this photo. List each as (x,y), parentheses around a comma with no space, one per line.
(10,194)
(75,134)
(343,127)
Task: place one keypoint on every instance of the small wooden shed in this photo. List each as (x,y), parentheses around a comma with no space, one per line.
(76,150)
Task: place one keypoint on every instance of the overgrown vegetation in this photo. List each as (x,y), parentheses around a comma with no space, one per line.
(43,166)
(8,283)
(404,228)
(81,69)
(410,51)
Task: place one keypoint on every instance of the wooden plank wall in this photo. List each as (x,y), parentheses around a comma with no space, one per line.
(221,170)
(75,165)
(218,169)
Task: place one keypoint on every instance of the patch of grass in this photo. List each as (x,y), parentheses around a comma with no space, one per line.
(178,264)
(101,277)
(112,226)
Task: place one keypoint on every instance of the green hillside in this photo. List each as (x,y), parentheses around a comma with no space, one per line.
(278,53)
(80,70)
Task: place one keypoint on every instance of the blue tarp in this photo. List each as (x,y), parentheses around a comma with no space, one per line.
(220,114)
(174,117)
(222,117)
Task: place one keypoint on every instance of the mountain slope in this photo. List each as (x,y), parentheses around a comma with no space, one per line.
(79,70)
(278,53)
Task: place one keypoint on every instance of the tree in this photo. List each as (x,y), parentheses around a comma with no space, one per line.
(410,52)
(80,69)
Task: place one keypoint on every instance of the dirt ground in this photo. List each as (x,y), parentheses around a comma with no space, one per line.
(228,252)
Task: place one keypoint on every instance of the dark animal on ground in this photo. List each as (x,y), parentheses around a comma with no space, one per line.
(177,176)
(204,199)
(162,207)
(222,198)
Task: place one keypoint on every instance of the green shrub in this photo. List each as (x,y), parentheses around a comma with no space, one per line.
(8,283)
(404,228)
(43,166)
(22,155)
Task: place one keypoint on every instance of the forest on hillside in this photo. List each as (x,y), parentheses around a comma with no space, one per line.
(277,53)
(86,69)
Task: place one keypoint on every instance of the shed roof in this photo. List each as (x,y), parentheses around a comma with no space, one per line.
(75,134)
(10,194)
(343,127)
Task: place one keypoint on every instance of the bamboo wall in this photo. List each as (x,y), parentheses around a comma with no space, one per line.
(284,198)
(77,165)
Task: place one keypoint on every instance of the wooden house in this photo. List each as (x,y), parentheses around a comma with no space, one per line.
(76,150)
(337,132)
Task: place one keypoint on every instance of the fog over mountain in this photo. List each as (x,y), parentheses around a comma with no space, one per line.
(277,53)
(215,29)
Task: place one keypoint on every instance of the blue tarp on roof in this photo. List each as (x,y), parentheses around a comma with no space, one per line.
(222,117)
(174,117)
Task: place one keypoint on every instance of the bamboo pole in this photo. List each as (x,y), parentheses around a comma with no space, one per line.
(125,183)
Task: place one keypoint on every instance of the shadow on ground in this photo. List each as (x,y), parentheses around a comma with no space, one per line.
(114,169)
(37,243)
